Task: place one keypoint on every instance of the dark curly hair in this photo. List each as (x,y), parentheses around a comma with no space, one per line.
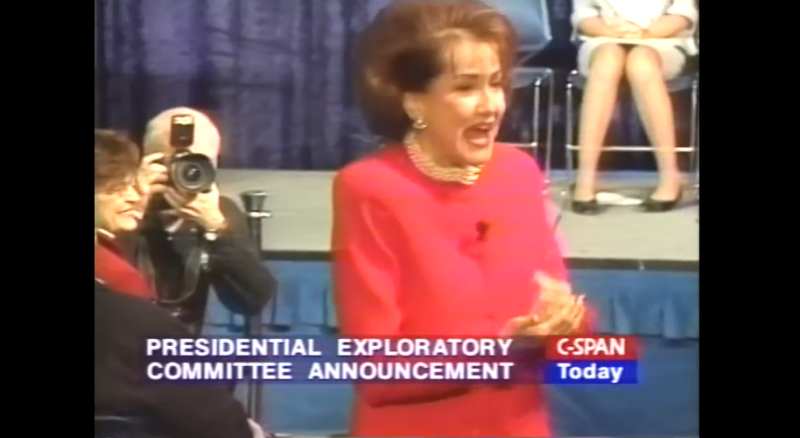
(405,48)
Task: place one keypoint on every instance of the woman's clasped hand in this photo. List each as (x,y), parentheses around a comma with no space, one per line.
(557,312)
(621,28)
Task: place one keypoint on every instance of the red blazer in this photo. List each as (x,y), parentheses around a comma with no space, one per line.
(413,256)
(116,273)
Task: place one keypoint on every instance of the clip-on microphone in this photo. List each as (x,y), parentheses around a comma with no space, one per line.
(253,201)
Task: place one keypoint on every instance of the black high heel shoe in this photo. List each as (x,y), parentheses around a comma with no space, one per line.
(588,208)
(651,205)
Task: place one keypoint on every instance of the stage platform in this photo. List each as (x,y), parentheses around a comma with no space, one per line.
(619,238)
(638,271)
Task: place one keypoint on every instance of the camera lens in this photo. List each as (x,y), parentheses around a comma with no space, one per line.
(192,173)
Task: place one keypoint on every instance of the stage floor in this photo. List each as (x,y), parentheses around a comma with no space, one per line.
(620,237)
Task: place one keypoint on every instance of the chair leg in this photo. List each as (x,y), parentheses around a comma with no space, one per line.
(694,133)
(536,113)
(570,134)
(548,154)
(697,177)
(697,167)
(536,138)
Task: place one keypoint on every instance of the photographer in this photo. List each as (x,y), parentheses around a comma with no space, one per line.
(190,238)
(124,404)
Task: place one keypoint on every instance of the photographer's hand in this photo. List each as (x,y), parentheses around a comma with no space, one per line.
(152,176)
(200,208)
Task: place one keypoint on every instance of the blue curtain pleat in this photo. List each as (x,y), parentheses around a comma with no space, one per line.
(275,75)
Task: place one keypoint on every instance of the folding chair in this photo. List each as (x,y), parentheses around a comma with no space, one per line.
(531,19)
(688,81)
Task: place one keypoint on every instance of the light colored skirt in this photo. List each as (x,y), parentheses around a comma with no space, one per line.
(673,59)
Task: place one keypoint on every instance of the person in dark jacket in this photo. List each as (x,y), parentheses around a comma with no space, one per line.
(121,389)
(122,322)
(188,242)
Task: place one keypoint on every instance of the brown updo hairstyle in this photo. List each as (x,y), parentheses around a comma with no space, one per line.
(406,47)
(116,160)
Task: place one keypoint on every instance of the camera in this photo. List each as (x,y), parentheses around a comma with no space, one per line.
(188,172)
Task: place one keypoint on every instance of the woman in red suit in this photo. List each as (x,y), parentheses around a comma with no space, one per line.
(443,231)
(117,201)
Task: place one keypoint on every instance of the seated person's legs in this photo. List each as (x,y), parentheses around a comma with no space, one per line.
(648,70)
(603,66)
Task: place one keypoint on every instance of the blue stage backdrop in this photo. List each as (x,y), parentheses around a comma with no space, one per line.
(275,75)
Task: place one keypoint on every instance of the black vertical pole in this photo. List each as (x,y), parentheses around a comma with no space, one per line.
(253,201)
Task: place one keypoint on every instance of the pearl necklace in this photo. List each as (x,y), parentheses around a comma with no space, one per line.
(463,175)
